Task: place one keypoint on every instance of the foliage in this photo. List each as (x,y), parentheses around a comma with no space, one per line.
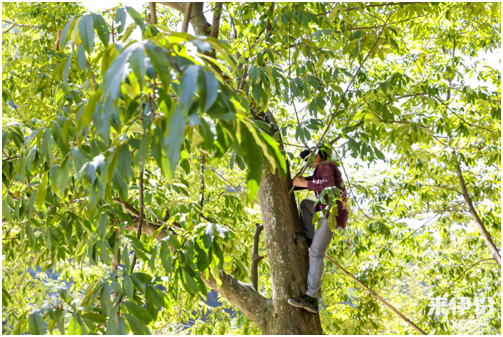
(81,125)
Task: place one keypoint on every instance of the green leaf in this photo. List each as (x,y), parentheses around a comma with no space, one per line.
(209,234)
(158,295)
(124,162)
(66,69)
(105,255)
(379,154)
(63,293)
(121,329)
(114,75)
(5,297)
(101,28)
(63,175)
(128,286)
(36,324)
(116,287)
(42,190)
(174,241)
(102,226)
(165,256)
(64,33)
(112,326)
(120,17)
(138,19)
(260,59)
(192,287)
(172,143)
(253,159)
(89,109)
(142,154)
(270,149)
(137,62)
(138,312)
(95,317)
(60,321)
(137,326)
(74,328)
(189,87)
(86,32)
(81,58)
(208,87)
(6,210)
(160,63)
(151,261)
(106,301)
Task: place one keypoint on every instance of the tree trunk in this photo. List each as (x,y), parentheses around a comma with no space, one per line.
(285,243)
(288,256)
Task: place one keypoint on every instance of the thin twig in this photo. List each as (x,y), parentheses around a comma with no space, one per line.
(473,265)
(408,321)
(24,274)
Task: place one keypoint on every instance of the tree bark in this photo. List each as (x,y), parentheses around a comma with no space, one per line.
(153,15)
(483,231)
(197,19)
(255,257)
(186,19)
(287,252)
(244,297)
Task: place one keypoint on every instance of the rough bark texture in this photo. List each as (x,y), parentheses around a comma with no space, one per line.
(255,257)
(197,19)
(288,255)
(244,297)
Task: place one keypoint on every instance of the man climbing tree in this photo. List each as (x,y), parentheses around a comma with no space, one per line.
(326,176)
(139,174)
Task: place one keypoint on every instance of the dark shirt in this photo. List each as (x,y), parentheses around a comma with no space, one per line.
(327,174)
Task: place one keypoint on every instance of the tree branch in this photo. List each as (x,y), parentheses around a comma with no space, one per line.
(244,297)
(186,19)
(153,15)
(201,183)
(473,265)
(24,274)
(176,5)
(459,117)
(255,257)
(483,231)
(217,13)
(140,216)
(383,301)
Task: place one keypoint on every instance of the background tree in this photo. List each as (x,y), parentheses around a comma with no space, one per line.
(132,164)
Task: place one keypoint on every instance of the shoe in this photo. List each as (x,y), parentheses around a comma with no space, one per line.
(305,302)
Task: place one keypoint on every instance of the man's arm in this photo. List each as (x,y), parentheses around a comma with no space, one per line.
(300,183)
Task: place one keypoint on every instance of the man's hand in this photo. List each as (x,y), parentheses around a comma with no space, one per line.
(300,182)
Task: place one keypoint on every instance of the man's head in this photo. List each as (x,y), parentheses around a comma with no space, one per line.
(324,153)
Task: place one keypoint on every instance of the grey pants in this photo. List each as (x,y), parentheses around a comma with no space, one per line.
(321,241)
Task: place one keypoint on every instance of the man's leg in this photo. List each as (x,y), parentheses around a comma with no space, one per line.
(320,244)
(321,241)
(306,214)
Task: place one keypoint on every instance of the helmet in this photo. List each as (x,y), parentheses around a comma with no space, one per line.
(325,151)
